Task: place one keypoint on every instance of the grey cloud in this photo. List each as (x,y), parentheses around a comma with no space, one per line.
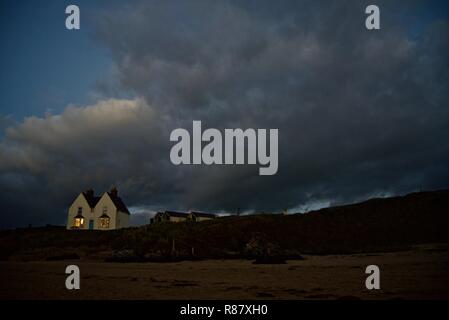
(354,108)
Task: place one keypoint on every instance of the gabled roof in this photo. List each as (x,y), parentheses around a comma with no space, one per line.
(203,214)
(118,203)
(91,199)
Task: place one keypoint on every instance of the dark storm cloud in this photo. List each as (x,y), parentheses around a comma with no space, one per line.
(47,161)
(359,113)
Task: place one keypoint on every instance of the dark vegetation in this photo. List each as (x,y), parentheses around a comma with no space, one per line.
(375,225)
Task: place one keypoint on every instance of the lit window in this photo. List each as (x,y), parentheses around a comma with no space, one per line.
(79,222)
(104,222)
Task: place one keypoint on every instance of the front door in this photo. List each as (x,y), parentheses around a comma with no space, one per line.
(91,224)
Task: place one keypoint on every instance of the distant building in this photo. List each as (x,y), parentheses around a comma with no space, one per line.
(200,216)
(90,212)
(170,216)
(176,216)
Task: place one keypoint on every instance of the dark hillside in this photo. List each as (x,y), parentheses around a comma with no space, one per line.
(375,225)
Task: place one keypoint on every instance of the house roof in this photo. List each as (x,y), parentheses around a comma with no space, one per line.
(118,203)
(91,199)
(177,214)
(203,214)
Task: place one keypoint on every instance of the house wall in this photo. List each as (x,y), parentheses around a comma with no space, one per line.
(117,220)
(123,220)
(177,219)
(87,213)
(199,219)
(105,201)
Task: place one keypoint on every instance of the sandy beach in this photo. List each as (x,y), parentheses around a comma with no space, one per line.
(421,273)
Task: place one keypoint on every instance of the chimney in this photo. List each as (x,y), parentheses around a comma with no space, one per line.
(89,192)
(114,191)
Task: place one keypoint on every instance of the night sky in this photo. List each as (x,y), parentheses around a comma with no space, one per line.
(360,113)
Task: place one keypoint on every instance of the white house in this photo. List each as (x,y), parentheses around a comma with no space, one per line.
(89,212)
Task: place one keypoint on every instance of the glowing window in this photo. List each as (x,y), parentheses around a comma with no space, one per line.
(79,222)
(104,222)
